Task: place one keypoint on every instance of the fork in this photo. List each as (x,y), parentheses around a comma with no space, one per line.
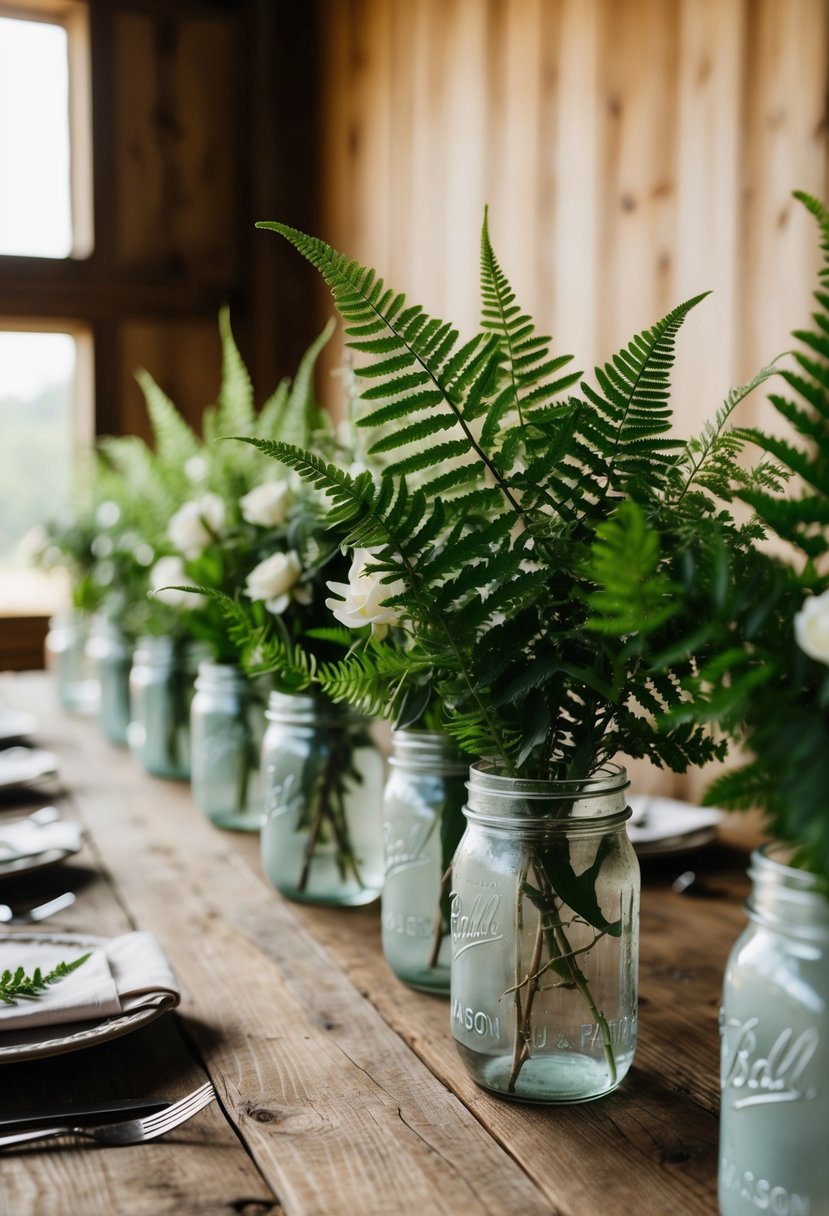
(129,1131)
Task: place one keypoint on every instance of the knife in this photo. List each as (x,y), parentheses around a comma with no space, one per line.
(82,1113)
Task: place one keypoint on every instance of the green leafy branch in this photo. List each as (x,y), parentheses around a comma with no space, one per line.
(17,985)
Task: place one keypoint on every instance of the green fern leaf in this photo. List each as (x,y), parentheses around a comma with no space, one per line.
(175,441)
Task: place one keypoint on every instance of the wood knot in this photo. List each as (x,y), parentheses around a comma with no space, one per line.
(286,1120)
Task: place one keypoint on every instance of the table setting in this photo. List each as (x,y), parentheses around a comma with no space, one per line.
(62,991)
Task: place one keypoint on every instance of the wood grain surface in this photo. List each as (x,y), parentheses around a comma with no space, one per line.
(340,1088)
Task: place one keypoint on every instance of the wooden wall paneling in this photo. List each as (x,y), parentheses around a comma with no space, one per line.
(207,84)
(357,141)
(421,149)
(637,177)
(141,223)
(280,307)
(784,148)
(568,252)
(514,75)
(176,83)
(465,182)
(708,192)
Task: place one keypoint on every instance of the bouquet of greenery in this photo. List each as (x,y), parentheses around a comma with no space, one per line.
(531,533)
(252,550)
(765,620)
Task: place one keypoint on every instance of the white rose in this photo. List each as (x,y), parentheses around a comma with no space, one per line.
(363,598)
(195,524)
(166,576)
(811,627)
(275,581)
(267,504)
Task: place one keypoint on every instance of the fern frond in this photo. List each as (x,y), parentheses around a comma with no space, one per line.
(234,412)
(417,354)
(635,596)
(703,451)
(632,408)
(526,366)
(175,441)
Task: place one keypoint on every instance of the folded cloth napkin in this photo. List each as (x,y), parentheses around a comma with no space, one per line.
(27,837)
(121,975)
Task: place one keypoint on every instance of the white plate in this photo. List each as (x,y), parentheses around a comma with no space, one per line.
(16,724)
(25,766)
(60,840)
(662,826)
(18,1045)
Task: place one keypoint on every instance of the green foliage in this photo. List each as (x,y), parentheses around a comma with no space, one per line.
(751,677)
(539,537)
(802,519)
(16,985)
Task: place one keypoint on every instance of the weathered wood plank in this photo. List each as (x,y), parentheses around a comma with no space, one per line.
(334,1108)
(308,1067)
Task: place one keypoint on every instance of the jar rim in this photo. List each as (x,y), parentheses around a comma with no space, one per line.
(488,777)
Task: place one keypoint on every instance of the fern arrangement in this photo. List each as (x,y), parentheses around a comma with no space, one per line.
(509,487)
(195,515)
(537,536)
(764,619)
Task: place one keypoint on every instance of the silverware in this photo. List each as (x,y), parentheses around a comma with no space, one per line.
(11,916)
(95,1113)
(129,1131)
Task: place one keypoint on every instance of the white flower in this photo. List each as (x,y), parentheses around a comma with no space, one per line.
(267,504)
(195,523)
(275,581)
(107,514)
(166,576)
(811,627)
(196,469)
(363,598)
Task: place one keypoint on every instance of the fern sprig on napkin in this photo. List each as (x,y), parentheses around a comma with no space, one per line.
(16,984)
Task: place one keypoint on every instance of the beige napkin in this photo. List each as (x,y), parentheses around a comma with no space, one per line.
(126,973)
(26,837)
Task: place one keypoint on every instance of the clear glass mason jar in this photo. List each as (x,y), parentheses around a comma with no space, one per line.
(65,657)
(322,837)
(422,824)
(545,931)
(161,689)
(227,724)
(110,658)
(774,1024)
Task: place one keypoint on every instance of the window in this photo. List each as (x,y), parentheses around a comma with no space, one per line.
(45,185)
(46,427)
(46,412)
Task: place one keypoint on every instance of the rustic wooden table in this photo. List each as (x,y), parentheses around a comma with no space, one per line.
(340,1089)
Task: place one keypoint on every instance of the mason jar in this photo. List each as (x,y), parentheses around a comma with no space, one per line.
(322,837)
(423,822)
(66,658)
(227,724)
(774,1024)
(161,689)
(545,930)
(110,656)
